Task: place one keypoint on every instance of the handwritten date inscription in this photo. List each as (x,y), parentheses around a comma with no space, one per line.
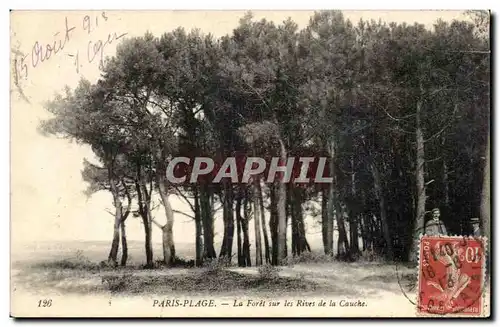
(43,51)
(96,49)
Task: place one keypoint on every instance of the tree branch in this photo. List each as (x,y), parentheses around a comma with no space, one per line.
(180,194)
(450,121)
(129,199)
(183,213)
(157,223)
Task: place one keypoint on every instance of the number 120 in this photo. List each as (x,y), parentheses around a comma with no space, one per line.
(45,303)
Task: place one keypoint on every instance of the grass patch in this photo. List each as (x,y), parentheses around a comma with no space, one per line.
(214,266)
(269,272)
(216,281)
(78,262)
(314,273)
(310,257)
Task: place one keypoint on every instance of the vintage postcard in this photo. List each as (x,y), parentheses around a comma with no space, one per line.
(250,163)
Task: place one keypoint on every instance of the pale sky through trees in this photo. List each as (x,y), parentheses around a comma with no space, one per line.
(46,184)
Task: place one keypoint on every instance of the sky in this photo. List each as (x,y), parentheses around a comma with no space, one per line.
(47,200)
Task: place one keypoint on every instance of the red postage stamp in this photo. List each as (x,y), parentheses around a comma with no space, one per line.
(451,276)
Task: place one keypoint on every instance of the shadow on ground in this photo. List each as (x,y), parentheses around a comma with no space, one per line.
(332,278)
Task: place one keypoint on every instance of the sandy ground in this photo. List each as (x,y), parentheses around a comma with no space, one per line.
(357,283)
(376,290)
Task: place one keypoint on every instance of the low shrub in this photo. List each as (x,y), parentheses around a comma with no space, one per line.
(269,272)
(310,257)
(370,256)
(214,266)
(118,283)
(78,262)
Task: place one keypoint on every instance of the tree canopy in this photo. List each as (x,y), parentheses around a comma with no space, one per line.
(400,111)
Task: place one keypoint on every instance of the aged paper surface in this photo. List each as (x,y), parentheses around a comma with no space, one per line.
(66,192)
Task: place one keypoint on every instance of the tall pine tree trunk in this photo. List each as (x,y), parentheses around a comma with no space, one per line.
(263,224)
(198,227)
(148,240)
(363,232)
(281,206)
(485,194)
(324,222)
(298,228)
(383,211)
(145,212)
(124,259)
(420,185)
(241,259)
(147,222)
(115,244)
(207,222)
(446,184)
(257,217)
(303,244)
(369,230)
(291,207)
(228,218)
(343,241)
(353,214)
(148,233)
(331,200)
(244,227)
(353,231)
(168,233)
(273,224)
